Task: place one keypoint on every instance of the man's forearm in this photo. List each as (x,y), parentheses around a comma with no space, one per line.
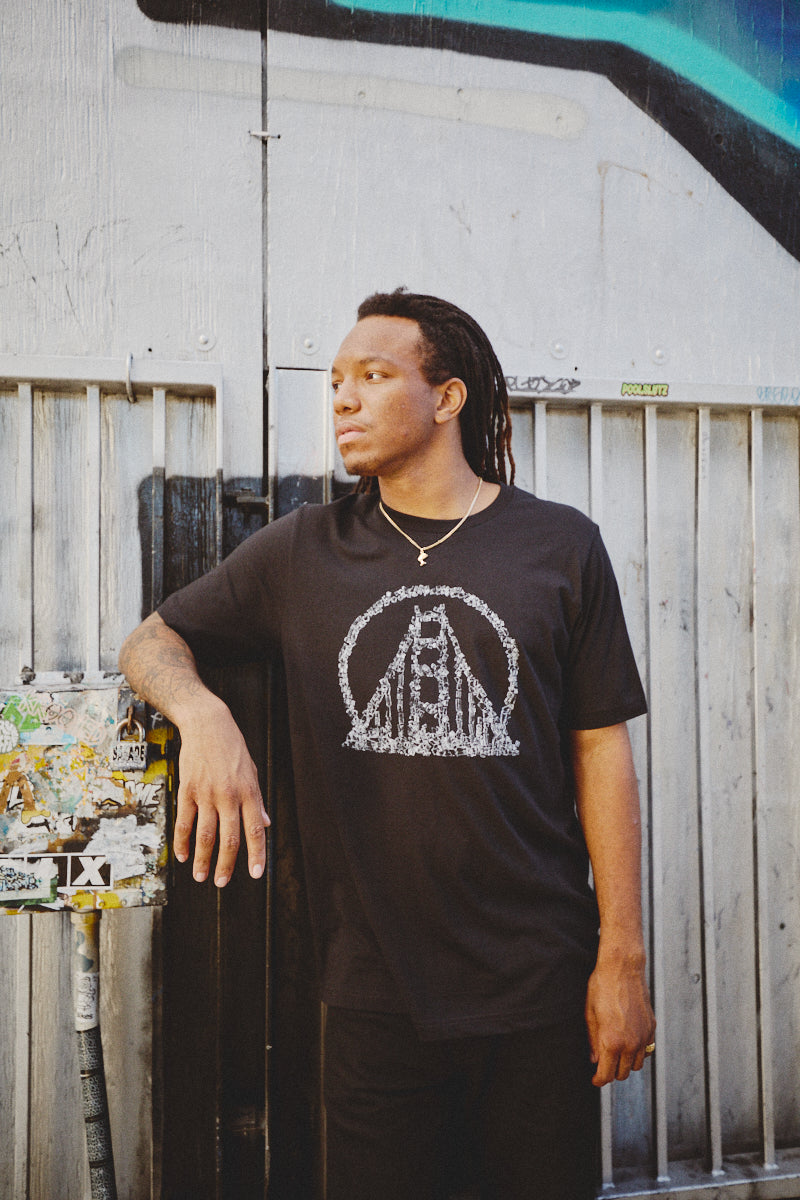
(219,791)
(608,807)
(161,668)
(618,1013)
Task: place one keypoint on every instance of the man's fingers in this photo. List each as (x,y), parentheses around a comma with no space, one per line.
(223,820)
(204,841)
(228,847)
(184,824)
(615,1063)
(254,822)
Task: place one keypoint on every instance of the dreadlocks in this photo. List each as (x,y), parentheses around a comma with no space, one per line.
(455,346)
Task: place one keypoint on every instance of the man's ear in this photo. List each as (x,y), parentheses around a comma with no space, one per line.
(452,398)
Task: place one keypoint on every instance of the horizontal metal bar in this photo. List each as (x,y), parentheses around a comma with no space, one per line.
(743,1178)
(109,372)
(66,681)
(568,393)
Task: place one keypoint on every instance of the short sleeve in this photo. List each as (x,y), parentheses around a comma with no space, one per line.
(233,614)
(602,681)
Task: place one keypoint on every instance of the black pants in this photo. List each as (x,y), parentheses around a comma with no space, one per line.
(514,1115)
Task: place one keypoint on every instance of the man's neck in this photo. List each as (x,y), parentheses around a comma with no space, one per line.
(438,495)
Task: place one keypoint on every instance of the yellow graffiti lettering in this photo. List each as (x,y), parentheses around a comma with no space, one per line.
(644,389)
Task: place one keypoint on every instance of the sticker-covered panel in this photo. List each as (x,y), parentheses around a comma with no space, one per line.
(85,778)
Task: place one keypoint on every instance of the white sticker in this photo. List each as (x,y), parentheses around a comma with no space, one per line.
(87,994)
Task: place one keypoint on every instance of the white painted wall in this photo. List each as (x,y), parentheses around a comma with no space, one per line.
(131,216)
(130,222)
(580,235)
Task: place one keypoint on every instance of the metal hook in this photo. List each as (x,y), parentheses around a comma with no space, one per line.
(128,383)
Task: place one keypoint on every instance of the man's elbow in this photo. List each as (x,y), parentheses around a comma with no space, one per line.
(132,646)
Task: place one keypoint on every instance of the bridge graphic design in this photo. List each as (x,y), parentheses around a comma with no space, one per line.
(429,701)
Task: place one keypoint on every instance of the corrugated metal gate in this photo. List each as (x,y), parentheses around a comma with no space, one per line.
(88,479)
(699,508)
(699,502)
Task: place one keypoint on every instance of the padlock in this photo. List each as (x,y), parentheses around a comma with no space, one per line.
(129,755)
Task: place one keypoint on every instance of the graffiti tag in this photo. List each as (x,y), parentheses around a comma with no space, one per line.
(779,395)
(541,385)
(644,389)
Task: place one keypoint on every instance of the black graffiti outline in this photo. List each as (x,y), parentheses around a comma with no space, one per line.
(538,385)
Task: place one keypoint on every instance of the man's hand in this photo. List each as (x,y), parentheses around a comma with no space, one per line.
(619,1018)
(219,790)
(218,779)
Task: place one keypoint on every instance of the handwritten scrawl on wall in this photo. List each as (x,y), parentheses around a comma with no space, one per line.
(83,810)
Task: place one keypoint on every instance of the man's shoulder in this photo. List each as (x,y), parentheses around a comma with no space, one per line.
(305,521)
(550,518)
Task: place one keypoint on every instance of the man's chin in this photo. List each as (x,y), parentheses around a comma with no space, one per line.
(359,464)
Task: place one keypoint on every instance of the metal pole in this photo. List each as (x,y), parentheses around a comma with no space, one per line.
(86,991)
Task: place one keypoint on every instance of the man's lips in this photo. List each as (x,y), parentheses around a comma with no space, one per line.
(348,433)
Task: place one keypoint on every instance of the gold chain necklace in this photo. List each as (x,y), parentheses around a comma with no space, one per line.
(423,550)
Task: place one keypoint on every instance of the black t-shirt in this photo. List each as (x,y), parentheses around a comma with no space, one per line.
(429,715)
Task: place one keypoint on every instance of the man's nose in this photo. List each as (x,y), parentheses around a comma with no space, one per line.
(345,398)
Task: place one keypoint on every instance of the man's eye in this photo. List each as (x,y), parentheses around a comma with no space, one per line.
(374,375)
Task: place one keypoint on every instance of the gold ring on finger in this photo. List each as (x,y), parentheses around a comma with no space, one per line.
(649,1049)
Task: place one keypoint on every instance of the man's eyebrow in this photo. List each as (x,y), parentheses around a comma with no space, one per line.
(369,358)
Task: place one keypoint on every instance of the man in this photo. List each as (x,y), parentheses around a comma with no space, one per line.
(459,677)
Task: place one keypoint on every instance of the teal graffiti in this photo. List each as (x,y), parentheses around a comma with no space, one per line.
(746,53)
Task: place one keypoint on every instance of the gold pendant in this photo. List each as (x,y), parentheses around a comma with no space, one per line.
(422,557)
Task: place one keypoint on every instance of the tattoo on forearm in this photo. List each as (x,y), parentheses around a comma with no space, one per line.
(160,666)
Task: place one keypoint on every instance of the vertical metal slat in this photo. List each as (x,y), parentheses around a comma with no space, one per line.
(159,477)
(219,453)
(708,916)
(540,448)
(760,814)
(92,517)
(22,1053)
(272,449)
(655,777)
(596,462)
(25,525)
(596,512)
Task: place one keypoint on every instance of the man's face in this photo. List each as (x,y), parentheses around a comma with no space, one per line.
(384,408)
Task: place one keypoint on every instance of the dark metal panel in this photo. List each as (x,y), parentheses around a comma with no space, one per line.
(213,944)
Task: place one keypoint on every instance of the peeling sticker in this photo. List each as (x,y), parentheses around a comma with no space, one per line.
(76,831)
(26,881)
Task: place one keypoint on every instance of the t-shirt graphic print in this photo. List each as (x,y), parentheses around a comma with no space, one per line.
(430,699)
